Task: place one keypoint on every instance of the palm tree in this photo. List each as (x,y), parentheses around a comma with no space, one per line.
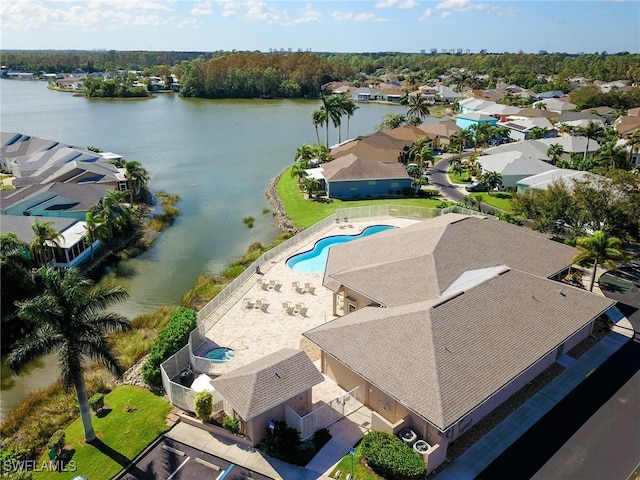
(332,111)
(318,117)
(298,170)
(347,107)
(310,185)
(15,270)
(68,320)
(568,129)
(115,214)
(96,228)
(137,178)
(43,233)
(492,180)
(599,249)
(591,131)
(555,152)
(633,142)
(417,107)
(538,132)
(456,168)
(461,80)
(304,153)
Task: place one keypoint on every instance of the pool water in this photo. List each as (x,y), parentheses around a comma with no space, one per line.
(315,260)
(220,354)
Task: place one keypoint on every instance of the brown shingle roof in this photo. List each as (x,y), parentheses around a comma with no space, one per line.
(433,357)
(421,261)
(440,129)
(378,146)
(268,382)
(351,167)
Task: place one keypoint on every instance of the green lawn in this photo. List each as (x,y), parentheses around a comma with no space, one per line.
(361,472)
(501,200)
(122,434)
(463,178)
(304,213)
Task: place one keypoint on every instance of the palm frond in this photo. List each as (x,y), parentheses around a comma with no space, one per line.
(32,347)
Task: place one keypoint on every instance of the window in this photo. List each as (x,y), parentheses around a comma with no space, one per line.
(394,184)
(371,182)
(352,307)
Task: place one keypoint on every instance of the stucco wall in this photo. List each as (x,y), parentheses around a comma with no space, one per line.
(367,188)
(345,377)
(257,426)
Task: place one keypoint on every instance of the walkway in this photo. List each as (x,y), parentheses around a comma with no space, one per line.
(470,464)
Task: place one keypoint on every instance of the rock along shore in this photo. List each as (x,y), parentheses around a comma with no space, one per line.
(279,212)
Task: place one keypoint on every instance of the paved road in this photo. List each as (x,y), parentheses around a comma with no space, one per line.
(438,179)
(174,460)
(594,434)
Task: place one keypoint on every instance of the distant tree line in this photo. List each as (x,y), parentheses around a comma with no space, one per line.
(254,74)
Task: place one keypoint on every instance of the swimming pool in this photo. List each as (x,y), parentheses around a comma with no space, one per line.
(220,354)
(315,260)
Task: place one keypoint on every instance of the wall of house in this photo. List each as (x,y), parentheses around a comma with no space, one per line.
(256,427)
(302,403)
(465,123)
(344,377)
(577,337)
(354,298)
(367,188)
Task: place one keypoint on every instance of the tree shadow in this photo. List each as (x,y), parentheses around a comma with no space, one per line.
(111,453)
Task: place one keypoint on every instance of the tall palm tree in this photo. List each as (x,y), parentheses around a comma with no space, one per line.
(15,270)
(348,107)
(599,249)
(318,117)
(304,153)
(555,152)
(43,234)
(137,178)
(591,131)
(331,107)
(115,214)
(298,171)
(69,320)
(417,107)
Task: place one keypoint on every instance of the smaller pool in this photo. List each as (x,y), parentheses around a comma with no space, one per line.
(220,354)
(315,260)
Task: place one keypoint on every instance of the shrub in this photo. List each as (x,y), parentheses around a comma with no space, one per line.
(231,424)
(57,441)
(248,221)
(429,193)
(169,340)
(97,402)
(390,458)
(320,438)
(281,440)
(408,192)
(203,405)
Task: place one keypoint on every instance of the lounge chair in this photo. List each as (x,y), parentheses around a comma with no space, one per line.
(311,290)
(264,306)
(272,284)
(285,305)
(290,310)
(303,311)
(249,304)
(294,286)
(258,304)
(277,286)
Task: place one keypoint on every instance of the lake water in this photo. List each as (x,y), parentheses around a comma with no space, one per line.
(217,155)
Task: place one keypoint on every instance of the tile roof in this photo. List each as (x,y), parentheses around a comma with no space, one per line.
(351,167)
(433,357)
(266,383)
(421,261)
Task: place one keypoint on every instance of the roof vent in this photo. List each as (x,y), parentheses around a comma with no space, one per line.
(561,293)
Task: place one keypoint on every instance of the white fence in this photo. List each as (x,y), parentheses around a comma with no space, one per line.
(323,416)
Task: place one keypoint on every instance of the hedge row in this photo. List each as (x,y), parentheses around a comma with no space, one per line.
(169,340)
(390,458)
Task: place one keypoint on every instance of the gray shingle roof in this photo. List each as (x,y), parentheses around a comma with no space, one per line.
(433,356)
(261,385)
(421,261)
(21,225)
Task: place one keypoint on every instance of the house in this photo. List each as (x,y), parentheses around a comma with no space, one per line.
(635,155)
(465,120)
(14,145)
(350,176)
(447,94)
(406,133)
(573,144)
(498,110)
(520,128)
(434,336)
(261,391)
(52,200)
(73,247)
(379,146)
(549,94)
(529,148)
(473,104)
(440,132)
(555,105)
(544,180)
(70,83)
(513,166)
(608,114)
(580,119)
(613,86)
(365,94)
(626,125)
(537,113)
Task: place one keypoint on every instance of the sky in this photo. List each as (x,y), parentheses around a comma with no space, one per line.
(322,25)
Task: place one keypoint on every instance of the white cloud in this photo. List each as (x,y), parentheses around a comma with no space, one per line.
(397,4)
(261,11)
(445,14)
(230,8)
(358,17)
(460,6)
(308,16)
(428,13)
(202,8)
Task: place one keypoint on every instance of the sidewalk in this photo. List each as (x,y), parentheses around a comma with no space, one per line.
(471,463)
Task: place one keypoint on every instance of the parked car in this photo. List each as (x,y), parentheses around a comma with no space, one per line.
(476,187)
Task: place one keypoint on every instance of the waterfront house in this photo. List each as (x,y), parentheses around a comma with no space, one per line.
(440,132)
(73,247)
(52,200)
(466,120)
(442,321)
(350,176)
(379,147)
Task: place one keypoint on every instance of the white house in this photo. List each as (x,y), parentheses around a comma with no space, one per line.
(513,166)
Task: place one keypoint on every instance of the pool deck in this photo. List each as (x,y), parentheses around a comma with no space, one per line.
(253,333)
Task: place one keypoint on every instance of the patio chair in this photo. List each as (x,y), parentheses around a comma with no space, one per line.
(285,305)
(303,311)
(264,307)
(290,310)
(294,286)
(272,284)
(259,282)
(265,286)
(297,308)
(311,290)
(277,286)
(300,289)
(249,303)
(307,286)
(258,304)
